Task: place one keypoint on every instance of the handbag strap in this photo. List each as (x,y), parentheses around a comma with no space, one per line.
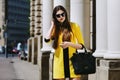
(83,47)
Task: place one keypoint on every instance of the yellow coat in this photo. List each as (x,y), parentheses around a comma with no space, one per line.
(58,66)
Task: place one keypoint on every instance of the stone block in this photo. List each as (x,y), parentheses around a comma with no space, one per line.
(51,67)
(45,66)
(109,70)
(29,50)
(34,50)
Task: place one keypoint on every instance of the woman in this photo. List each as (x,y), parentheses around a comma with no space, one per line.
(66,38)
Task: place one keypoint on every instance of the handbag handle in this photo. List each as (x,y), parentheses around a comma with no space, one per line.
(83,47)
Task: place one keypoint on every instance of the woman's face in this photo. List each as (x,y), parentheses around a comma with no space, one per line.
(60,16)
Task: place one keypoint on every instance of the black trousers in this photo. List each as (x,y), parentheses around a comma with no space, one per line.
(66,63)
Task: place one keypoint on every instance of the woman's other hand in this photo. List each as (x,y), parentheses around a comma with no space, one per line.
(49,34)
(64,44)
(52,23)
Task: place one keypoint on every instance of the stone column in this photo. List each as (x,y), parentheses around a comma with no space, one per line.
(33,48)
(60,2)
(80,14)
(113,30)
(109,68)
(101,35)
(32,30)
(101,25)
(51,66)
(37,17)
(76,12)
(87,24)
(32,18)
(47,9)
(29,50)
(37,30)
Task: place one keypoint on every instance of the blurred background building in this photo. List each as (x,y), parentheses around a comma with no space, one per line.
(2,18)
(14,21)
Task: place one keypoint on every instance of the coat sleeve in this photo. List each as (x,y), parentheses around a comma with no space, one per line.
(78,34)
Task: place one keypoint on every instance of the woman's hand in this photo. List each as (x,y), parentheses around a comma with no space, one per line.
(64,44)
(48,35)
(52,23)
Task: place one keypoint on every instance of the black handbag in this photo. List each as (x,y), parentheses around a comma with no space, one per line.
(83,62)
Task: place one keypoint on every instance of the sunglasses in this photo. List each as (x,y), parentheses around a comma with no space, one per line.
(60,15)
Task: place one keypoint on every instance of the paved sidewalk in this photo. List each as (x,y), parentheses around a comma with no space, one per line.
(25,70)
(7,71)
(13,68)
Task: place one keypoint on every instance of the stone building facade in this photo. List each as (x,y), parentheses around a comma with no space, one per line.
(2,16)
(14,21)
(96,17)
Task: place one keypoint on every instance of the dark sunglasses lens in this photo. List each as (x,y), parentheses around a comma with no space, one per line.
(62,14)
(58,15)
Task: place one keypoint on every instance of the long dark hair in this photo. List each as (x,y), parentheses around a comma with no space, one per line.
(58,25)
